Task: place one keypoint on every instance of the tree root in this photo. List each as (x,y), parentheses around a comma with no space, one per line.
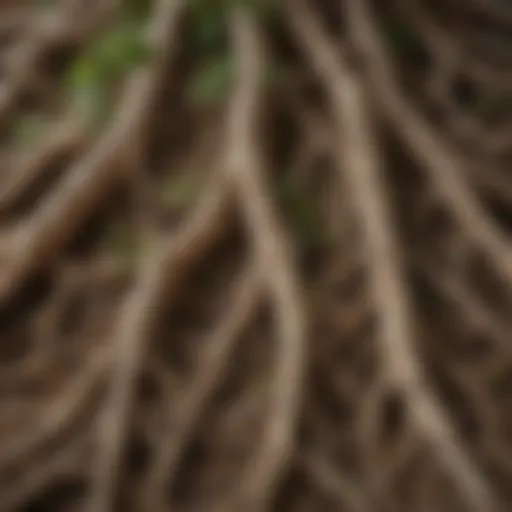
(245,168)
(159,276)
(359,161)
(203,355)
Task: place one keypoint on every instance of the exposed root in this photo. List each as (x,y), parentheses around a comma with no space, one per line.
(359,160)
(443,166)
(53,420)
(102,169)
(60,464)
(47,31)
(279,278)
(246,168)
(211,367)
(159,276)
(343,490)
(67,138)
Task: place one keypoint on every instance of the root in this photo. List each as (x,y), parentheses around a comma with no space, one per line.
(62,464)
(159,276)
(211,367)
(246,169)
(339,486)
(443,167)
(359,160)
(54,420)
(68,138)
(278,278)
(94,177)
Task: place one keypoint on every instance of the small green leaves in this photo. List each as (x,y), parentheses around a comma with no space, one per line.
(210,40)
(213,81)
(120,50)
(181,190)
(210,20)
(91,76)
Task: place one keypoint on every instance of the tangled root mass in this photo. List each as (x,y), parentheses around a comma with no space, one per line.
(255,255)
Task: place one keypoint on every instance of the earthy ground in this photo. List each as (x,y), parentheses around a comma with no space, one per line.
(255,255)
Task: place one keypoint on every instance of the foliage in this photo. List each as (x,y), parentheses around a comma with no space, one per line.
(120,50)
(212,82)
(91,76)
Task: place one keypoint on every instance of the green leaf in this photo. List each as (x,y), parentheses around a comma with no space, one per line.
(83,71)
(213,81)
(91,76)
(120,50)
(181,190)
(87,89)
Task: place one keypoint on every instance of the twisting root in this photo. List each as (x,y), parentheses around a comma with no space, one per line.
(62,463)
(68,137)
(160,274)
(358,159)
(46,31)
(55,419)
(245,167)
(471,307)
(444,167)
(25,59)
(94,177)
(340,487)
(91,406)
(211,368)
